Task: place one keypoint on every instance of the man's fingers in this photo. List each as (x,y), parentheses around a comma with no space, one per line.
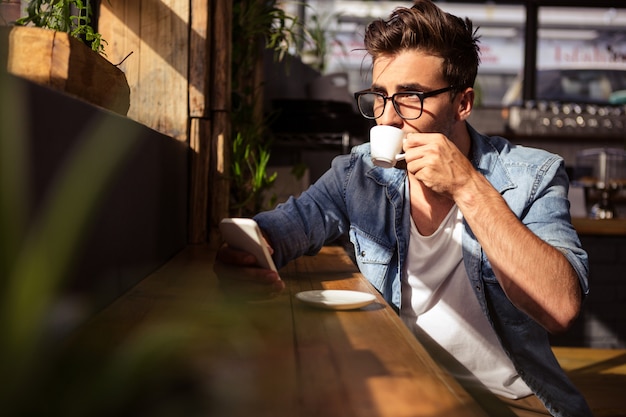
(232,256)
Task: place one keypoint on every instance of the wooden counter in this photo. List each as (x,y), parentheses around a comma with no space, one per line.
(613,227)
(278,357)
(600,374)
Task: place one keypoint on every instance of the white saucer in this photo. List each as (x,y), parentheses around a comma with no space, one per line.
(336,299)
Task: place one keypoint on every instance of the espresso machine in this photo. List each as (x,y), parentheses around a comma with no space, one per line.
(602,172)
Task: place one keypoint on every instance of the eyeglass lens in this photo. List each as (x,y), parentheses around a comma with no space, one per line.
(408,105)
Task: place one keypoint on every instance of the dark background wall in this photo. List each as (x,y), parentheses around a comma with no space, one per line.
(602,323)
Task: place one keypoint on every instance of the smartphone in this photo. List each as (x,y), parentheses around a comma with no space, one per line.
(245,234)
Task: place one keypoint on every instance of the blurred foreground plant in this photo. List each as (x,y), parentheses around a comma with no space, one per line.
(42,374)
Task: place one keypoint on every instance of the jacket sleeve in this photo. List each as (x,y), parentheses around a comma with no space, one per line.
(546,213)
(301,226)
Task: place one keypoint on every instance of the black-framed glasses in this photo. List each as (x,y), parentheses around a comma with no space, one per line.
(408,104)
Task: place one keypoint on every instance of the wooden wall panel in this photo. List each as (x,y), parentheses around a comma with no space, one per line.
(119,24)
(200,122)
(221,55)
(157,34)
(179,74)
(200,58)
(219,185)
(220,108)
(200,144)
(164,65)
(209,98)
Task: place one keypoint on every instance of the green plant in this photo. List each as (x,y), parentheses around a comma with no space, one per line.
(71,16)
(250,174)
(318,40)
(257,25)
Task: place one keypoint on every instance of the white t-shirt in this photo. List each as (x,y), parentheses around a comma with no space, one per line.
(437,299)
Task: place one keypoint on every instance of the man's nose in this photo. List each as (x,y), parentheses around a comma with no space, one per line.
(390,116)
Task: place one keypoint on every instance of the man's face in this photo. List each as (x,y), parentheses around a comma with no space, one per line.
(414,71)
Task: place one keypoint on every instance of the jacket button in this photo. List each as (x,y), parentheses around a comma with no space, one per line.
(362,253)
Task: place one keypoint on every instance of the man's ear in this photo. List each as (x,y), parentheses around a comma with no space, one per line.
(466,103)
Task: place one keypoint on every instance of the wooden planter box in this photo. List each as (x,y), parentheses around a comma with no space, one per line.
(62,62)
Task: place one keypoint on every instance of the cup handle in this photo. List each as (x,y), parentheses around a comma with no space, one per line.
(400,157)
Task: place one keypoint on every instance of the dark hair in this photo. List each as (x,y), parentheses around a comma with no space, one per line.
(427,28)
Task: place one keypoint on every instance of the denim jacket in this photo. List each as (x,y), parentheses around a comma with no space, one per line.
(371,205)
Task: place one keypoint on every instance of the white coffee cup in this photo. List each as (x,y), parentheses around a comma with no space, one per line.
(386,145)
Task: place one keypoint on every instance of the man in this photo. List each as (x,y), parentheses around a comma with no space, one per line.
(471,240)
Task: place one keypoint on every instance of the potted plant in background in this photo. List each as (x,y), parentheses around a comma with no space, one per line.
(56,44)
(259,25)
(71,16)
(319,41)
